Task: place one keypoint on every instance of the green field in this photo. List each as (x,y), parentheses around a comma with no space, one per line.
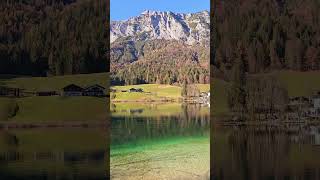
(152,92)
(300,83)
(6,108)
(54,108)
(59,109)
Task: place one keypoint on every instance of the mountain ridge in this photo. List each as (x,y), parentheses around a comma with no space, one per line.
(190,28)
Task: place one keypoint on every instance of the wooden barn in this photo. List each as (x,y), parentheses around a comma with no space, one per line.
(94,90)
(72,90)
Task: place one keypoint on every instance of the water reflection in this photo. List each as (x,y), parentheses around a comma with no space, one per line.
(265,152)
(162,142)
(53,154)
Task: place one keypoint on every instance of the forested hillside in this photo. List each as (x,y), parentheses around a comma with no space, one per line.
(53,37)
(266,35)
(158,61)
(262,50)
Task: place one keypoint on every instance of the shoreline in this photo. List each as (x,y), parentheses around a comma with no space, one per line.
(266,123)
(157,101)
(53,125)
(143,101)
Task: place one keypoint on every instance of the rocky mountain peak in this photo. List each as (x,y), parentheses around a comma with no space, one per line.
(191,28)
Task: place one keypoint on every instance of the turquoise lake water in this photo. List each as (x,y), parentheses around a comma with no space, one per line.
(161,145)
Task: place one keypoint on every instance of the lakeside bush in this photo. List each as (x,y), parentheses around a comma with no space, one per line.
(8,109)
(257,95)
(190,90)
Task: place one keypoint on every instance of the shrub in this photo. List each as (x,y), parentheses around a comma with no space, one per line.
(8,109)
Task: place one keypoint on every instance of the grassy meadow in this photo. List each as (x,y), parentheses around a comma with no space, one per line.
(52,109)
(152,92)
(6,108)
(300,83)
(60,109)
(36,109)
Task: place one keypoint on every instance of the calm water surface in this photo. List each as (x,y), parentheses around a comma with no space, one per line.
(164,141)
(67,154)
(265,153)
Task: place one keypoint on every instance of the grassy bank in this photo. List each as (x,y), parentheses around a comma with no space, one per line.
(123,109)
(152,92)
(55,109)
(138,109)
(7,108)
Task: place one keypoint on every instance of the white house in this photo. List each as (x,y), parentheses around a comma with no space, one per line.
(316,102)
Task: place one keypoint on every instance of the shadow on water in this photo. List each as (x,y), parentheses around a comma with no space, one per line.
(53,154)
(265,153)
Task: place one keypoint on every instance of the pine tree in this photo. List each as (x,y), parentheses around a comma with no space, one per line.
(184,91)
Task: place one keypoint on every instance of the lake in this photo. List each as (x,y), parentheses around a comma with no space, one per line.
(160,141)
(53,153)
(287,152)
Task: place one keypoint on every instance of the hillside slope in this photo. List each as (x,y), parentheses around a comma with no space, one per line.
(158,61)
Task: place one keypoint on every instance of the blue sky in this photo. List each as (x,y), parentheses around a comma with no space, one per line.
(124,9)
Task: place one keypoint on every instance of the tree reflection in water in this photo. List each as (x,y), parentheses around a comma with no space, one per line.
(265,153)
